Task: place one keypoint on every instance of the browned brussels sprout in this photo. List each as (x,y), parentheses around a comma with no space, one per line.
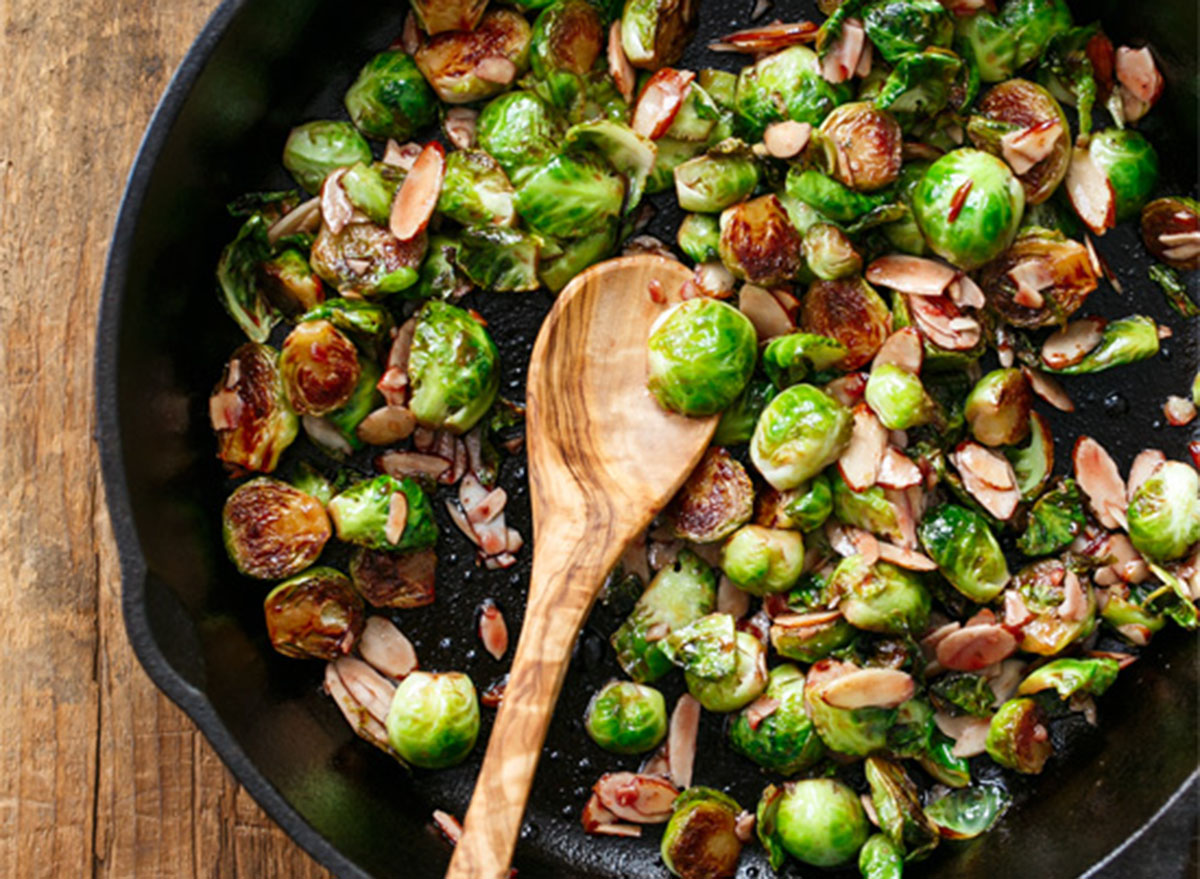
(1021,122)
(319,366)
(290,283)
(654,33)
(716,500)
(249,411)
(997,409)
(701,840)
(1171,230)
(866,144)
(1018,738)
(436,16)
(1061,606)
(898,807)
(315,614)
(829,253)
(1041,280)
(273,530)
(394,579)
(759,244)
(849,311)
(366,259)
(464,66)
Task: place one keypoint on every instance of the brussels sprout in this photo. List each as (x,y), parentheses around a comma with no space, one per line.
(701,354)
(476,191)
(912,734)
(316,148)
(820,821)
(941,764)
(1071,676)
(452,61)
(966,552)
(669,155)
(997,409)
(785,741)
(654,33)
(517,130)
(829,254)
(853,731)
(289,282)
(394,579)
(758,242)
(967,813)
(921,86)
(556,272)
(904,234)
(434,719)
(1176,215)
(800,432)
(315,614)
(699,237)
(1174,598)
(1130,163)
(626,718)
(869,510)
(453,368)
(370,191)
(790,359)
(1123,610)
(766,825)
(738,688)
(319,367)
(365,513)
(969,207)
(567,38)
(1014,106)
(784,85)
(1018,738)
(850,312)
(898,27)
(1034,463)
(881,597)
(716,499)
(701,840)
(1126,340)
(1164,513)
(272,530)
(679,594)
(239,276)
(1055,519)
(367,323)
(705,648)
(629,153)
(811,637)
(898,808)
(500,259)
(567,197)
(437,16)
(1004,42)
(866,142)
(965,692)
(1175,290)
(1062,265)
(715,181)
(364,400)
(1042,587)
(249,410)
(1066,70)
(897,397)
(880,859)
(720,85)
(829,197)
(810,505)
(390,98)
(763,560)
(367,259)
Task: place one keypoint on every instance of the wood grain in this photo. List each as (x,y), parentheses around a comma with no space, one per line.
(604,458)
(99,774)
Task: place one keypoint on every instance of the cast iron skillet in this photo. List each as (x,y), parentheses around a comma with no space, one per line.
(260,66)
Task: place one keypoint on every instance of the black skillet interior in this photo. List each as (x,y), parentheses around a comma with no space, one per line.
(263,65)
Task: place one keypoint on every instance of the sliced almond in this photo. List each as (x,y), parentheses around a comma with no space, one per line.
(1101,481)
(1069,345)
(681,740)
(336,208)
(493,630)
(897,470)
(976,647)
(764,311)
(869,688)
(1091,193)
(904,349)
(1026,148)
(386,425)
(859,464)
(847,389)
(459,125)
(402,156)
(1142,468)
(770,38)
(968,731)
(1138,73)
(618,64)
(965,293)
(641,799)
(1031,276)
(1048,388)
(418,195)
(941,321)
(1074,605)
(387,649)
(1179,411)
(368,687)
(908,559)
(661,99)
(911,274)
(760,709)
(397,518)
(413,464)
(1016,613)
(787,139)
(842,57)
(989,478)
(363,722)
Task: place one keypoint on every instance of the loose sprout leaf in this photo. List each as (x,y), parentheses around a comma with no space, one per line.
(1056,518)
(969,812)
(237,276)
(1175,290)
(968,692)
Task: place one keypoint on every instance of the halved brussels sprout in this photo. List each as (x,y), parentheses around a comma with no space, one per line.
(698,118)
(272,530)
(966,552)
(319,367)
(820,821)
(1018,737)
(967,813)
(716,500)
(654,33)
(904,234)
(739,688)
(715,181)
(869,510)
(500,259)
(1123,341)
(567,38)
(366,259)
(811,637)
(854,731)
(881,597)
(1176,215)
(763,560)
(679,594)
(316,614)
(790,359)
(1070,676)
(314,149)
(701,840)
(289,282)
(568,196)
(434,719)
(879,858)
(997,409)
(898,27)
(518,131)
(557,271)
(249,410)
(239,277)
(866,144)
(785,741)
(629,153)
(898,808)
(964,691)
(737,421)
(941,764)
(829,253)
(969,207)
(1130,163)
(476,191)
(1019,105)
(626,718)
(799,434)
(784,85)
(897,397)
(468,66)
(809,505)
(701,354)
(758,242)
(699,237)
(850,312)
(1164,512)
(669,154)
(1004,42)
(1043,587)
(394,579)
(437,16)
(706,648)
(453,368)
(1055,519)
(366,514)
(921,86)
(367,323)
(1064,277)
(391,98)
(364,400)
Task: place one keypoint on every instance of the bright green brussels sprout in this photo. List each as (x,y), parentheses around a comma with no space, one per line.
(1033,464)
(654,33)
(452,62)
(1068,268)
(629,153)
(319,367)
(679,594)
(701,841)
(701,354)
(1174,598)
(316,148)
(391,98)
(368,513)
(967,813)
(853,731)
(810,505)
(312,481)
(697,117)
(898,808)
(820,821)
(1043,588)
(766,825)
(568,36)
(669,154)
(763,560)
(1055,519)
(904,234)
(239,278)
(1014,106)
(720,85)
(476,191)
(1126,340)
(869,510)
(969,207)
(699,237)
(829,254)
(920,87)
(811,637)
(829,197)
(272,530)
(881,597)
(784,85)
(316,614)
(785,741)
(453,368)
(997,409)
(500,259)
(897,397)
(372,188)
(434,719)
(758,242)
(518,131)
(1164,513)
(1004,42)
(739,688)
(363,401)
(289,282)
(799,434)
(367,259)
(1018,737)
(911,736)
(849,311)
(567,197)
(705,648)
(249,410)
(790,359)
(626,718)
(1071,676)
(965,692)
(557,271)
(966,551)
(898,27)
(880,859)
(737,421)
(1130,163)
(715,181)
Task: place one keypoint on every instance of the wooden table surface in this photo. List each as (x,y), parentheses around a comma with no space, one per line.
(100,775)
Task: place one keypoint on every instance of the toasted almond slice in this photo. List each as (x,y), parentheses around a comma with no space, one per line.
(866,61)
(1138,73)
(660,101)
(488,507)
(642,799)
(743,827)
(385,647)
(787,139)
(401,155)
(386,425)
(869,688)
(1031,276)
(304,217)
(940,320)
(905,558)
(731,599)
(1026,148)
(1016,613)
(904,349)
(1101,481)
(361,721)
(1048,388)
(369,688)
(1069,345)
(336,208)
(450,826)
(681,740)
(1091,192)
(413,464)
(618,64)
(459,126)
(968,731)
(397,518)
(976,647)
(493,631)
(911,274)
(1074,604)
(842,58)
(770,38)
(760,709)
(931,640)
(897,470)
(989,478)
(847,389)
(418,195)
(768,316)
(1140,470)
(859,464)
(1179,411)
(965,293)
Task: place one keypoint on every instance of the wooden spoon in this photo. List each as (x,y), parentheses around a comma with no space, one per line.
(604,458)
